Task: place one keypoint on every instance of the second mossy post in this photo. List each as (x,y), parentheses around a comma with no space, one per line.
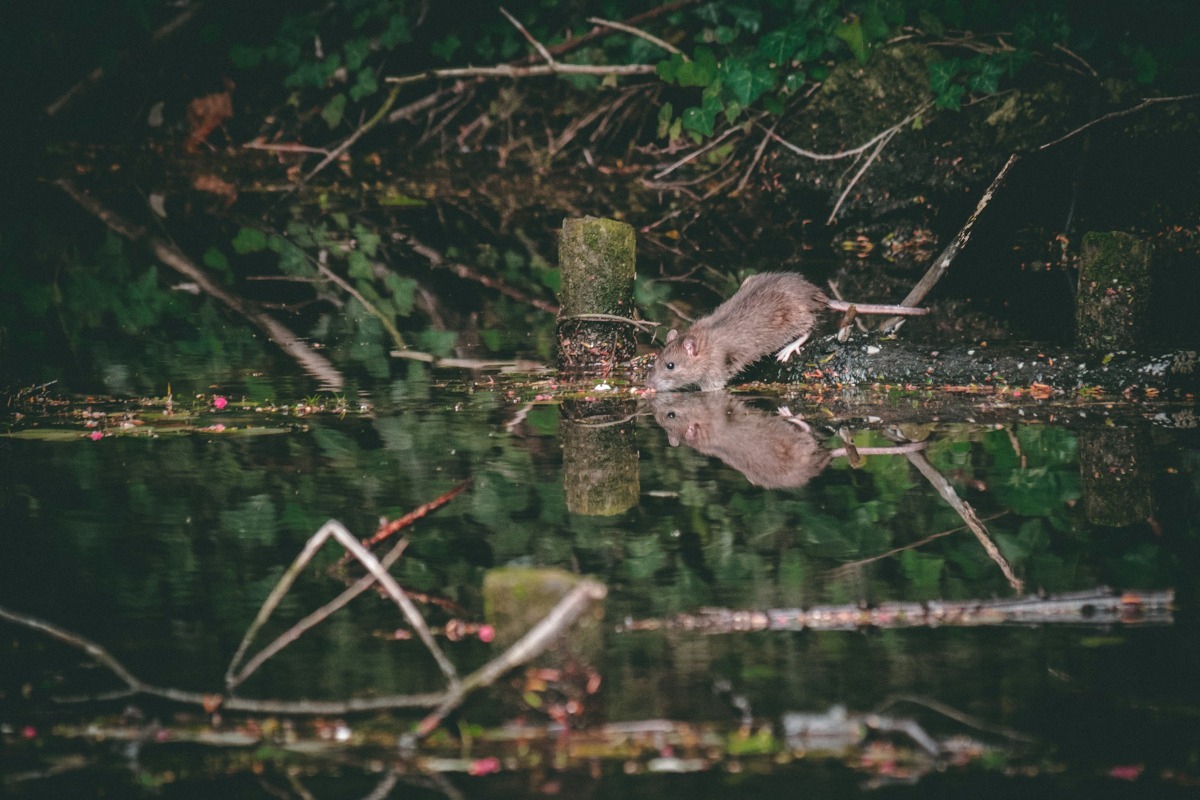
(596,258)
(1114,291)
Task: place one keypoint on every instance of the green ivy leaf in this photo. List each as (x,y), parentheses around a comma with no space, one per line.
(851,33)
(214,259)
(700,71)
(778,47)
(403,291)
(941,74)
(698,120)
(748,83)
(931,22)
(665,114)
(359,266)
(368,240)
(356,51)
(244,57)
(397,32)
(795,81)
(951,99)
(446,48)
(746,18)
(333,110)
(249,240)
(365,85)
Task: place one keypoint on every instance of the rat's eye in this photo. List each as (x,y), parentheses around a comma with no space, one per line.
(670,415)
(670,365)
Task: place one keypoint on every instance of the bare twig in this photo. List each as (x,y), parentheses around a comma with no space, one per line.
(285,147)
(535,71)
(964,510)
(867,145)
(359,132)
(534,641)
(942,263)
(641,34)
(312,363)
(335,529)
(640,324)
(417,513)
(1150,101)
(758,154)
(541,48)
(315,618)
(866,165)
(698,152)
(384,320)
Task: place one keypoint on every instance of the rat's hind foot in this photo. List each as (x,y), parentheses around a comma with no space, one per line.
(792,349)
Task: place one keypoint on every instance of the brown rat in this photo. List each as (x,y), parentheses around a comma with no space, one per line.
(768,450)
(774,451)
(773,312)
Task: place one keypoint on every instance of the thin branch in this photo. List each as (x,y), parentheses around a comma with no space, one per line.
(367,558)
(285,147)
(640,324)
(641,34)
(371,308)
(699,152)
(942,263)
(535,640)
(309,360)
(758,154)
(541,48)
(315,618)
(537,70)
(964,510)
(359,132)
(417,513)
(1150,101)
(853,151)
(861,171)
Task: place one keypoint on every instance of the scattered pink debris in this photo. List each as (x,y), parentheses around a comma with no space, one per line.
(96,436)
(1126,772)
(220,402)
(486,633)
(28,732)
(485,766)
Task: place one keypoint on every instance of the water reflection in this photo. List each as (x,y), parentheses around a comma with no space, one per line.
(163,548)
(774,451)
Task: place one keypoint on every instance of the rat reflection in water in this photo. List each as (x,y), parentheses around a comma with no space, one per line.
(774,451)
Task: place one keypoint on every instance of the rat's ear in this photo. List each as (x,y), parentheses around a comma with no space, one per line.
(672,335)
(689,345)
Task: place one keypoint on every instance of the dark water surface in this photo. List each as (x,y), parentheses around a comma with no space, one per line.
(162,548)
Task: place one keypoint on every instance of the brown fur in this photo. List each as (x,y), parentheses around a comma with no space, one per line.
(768,312)
(769,450)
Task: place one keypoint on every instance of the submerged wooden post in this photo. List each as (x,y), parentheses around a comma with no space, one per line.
(1114,291)
(600,456)
(596,259)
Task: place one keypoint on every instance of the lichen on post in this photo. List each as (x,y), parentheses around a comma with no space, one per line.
(1114,291)
(596,259)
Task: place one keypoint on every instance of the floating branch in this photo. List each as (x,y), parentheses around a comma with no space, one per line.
(1097,607)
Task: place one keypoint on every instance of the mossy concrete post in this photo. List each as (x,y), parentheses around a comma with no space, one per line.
(1114,291)
(596,262)
(600,456)
(515,599)
(1117,489)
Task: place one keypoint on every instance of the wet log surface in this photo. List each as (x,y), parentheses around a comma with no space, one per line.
(1042,370)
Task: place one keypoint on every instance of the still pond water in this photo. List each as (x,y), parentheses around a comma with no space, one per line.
(160,542)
